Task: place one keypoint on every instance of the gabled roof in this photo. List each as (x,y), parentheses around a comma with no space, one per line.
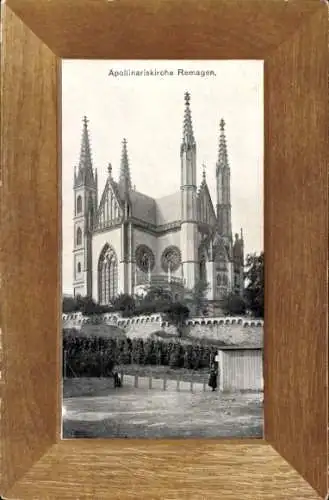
(204,194)
(113,186)
(143,207)
(168,208)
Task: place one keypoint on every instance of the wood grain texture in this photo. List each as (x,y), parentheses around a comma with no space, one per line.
(292,37)
(30,304)
(176,470)
(164,29)
(296,249)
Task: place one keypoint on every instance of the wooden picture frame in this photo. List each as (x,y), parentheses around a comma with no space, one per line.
(292,38)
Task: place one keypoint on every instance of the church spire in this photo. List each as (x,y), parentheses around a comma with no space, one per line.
(85,174)
(189,211)
(188,136)
(222,161)
(85,151)
(125,179)
(223,181)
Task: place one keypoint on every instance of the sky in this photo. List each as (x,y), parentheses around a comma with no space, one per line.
(148,112)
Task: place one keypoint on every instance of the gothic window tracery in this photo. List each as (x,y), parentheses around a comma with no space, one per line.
(145,259)
(221,283)
(171,259)
(221,258)
(107,275)
(90,212)
(79,204)
(79,236)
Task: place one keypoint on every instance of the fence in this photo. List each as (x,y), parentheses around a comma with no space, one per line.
(150,381)
(164,383)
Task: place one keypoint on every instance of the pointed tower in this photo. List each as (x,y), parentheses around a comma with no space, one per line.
(125,188)
(188,234)
(223,183)
(125,178)
(85,205)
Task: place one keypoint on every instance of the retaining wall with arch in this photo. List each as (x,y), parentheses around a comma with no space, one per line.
(230,330)
(117,320)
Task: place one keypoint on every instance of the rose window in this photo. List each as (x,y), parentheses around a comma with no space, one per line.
(144,258)
(171,259)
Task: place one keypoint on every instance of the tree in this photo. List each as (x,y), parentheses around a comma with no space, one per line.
(88,306)
(124,303)
(233,304)
(196,298)
(69,304)
(177,313)
(254,291)
(175,356)
(158,294)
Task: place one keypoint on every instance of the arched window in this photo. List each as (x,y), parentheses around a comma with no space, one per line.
(107,275)
(79,236)
(79,267)
(79,204)
(90,212)
(203,272)
(222,279)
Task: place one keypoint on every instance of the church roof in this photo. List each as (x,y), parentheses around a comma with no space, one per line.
(168,208)
(143,207)
(156,211)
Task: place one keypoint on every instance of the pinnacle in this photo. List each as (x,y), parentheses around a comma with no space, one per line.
(125,178)
(188,136)
(85,172)
(222,148)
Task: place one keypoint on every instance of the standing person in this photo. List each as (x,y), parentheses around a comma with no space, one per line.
(213,377)
(117,380)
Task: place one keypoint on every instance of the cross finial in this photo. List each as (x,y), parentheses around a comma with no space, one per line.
(222,149)
(188,137)
(109,169)
(187,96)
(85,121)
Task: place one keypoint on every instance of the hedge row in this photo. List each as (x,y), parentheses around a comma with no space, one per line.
(98,357)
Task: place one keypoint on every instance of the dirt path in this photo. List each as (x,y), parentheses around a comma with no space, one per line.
(132,413)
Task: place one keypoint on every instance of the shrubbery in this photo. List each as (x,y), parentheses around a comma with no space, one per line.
(97,357)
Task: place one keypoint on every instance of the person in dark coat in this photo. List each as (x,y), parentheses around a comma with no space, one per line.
(117,380)
(213,377)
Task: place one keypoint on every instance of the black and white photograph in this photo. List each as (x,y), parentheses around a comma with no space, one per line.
(162,263)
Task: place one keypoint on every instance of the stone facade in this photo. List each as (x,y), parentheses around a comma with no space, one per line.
(127,240)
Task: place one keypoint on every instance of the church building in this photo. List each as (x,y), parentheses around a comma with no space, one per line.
(126,241)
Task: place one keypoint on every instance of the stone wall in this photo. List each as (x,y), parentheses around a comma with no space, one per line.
(229,334)
(229,330)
